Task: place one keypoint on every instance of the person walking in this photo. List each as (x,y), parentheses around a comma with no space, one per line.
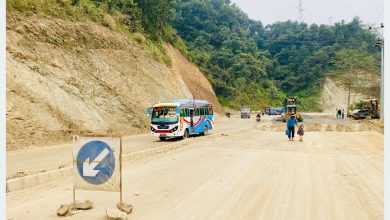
(301,132)
(291,123)
(342,114)
(337,113)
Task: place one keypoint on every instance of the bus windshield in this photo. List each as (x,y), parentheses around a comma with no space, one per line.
(164,115)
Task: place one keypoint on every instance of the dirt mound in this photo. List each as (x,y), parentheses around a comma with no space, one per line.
(320,126)
(68,78)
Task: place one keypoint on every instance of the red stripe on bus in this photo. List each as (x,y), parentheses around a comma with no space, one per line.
(163,131)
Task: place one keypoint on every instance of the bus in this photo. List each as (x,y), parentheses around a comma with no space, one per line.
(181,118)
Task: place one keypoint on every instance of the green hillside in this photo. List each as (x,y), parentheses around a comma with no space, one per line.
(252,64)
(246,62)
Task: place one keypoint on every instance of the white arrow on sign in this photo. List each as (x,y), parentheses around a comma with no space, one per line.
(89,168)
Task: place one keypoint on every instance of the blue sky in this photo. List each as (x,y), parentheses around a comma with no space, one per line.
(316,11)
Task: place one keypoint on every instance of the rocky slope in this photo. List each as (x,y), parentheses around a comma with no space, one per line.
(67,78)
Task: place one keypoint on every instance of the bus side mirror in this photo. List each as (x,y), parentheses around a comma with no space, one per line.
(177,110)
(148,111)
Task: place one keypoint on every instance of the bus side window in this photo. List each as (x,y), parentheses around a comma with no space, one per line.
(211,110)
(201,111)
(182,112)
(187,112)
(197,112)
(206,111)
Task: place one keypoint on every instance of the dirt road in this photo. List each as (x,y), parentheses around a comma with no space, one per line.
(52,157)
(253,174)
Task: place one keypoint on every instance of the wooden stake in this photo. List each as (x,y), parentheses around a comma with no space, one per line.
(74,190)
(120,169)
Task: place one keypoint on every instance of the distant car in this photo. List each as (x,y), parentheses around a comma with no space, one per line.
(245,112)
(273,112)
(360,114)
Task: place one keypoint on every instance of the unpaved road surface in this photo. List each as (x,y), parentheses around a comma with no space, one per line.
(48,158)
(251,174)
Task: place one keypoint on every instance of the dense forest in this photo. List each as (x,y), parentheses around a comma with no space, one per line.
(249,64)
(246,62)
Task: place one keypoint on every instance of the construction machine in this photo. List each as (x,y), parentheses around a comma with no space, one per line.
(373,107)
(290,105)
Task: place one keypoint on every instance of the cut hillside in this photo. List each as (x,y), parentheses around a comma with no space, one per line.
(67,78)
(335,91)
(195,80)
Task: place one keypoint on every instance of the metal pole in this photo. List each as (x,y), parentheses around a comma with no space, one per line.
(382,78)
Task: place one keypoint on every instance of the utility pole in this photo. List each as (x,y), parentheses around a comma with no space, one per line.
(382,78)
(381,43)
(349,89)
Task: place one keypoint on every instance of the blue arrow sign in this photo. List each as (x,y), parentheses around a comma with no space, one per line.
(96,162)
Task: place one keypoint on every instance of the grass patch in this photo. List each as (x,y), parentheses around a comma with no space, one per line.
(87,10)
(158,52)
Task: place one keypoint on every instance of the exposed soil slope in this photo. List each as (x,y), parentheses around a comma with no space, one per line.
(195,80)
(67,77)
(335,94)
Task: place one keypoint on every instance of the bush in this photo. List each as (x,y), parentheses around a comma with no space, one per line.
(158,52)
(109,21)
(139,38)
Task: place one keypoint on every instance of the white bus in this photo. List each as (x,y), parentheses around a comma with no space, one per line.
(181,118)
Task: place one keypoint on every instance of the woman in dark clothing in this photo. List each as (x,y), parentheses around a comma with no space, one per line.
(291,123)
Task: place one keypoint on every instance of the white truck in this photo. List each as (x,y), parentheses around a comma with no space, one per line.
(245,112)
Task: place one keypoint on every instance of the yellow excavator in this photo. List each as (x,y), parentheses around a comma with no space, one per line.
(373,107)
(290,107)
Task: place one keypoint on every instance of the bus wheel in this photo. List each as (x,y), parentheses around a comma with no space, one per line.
(163,138)
(205,131)
(186,134)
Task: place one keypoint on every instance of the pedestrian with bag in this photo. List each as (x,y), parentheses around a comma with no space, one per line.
(291,123)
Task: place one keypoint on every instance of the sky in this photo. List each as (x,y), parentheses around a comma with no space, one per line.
(315,11)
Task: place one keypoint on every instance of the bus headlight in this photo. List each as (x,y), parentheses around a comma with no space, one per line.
(152,129)
(174,129)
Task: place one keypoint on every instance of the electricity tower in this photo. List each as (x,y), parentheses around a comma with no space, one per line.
(300,11)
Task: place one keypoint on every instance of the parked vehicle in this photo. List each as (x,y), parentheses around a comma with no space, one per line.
(272,112)
(275,111)
(360,114)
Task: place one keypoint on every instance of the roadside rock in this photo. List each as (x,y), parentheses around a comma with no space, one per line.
(84,205)
(63,210)
(125,207)
(113,214)
(71,208)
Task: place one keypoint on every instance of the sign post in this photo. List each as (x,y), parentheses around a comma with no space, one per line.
(97,164)
(120,167)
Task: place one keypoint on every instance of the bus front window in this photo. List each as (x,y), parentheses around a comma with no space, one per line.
(164,115)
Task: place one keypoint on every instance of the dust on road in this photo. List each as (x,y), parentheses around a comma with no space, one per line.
(255,174)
